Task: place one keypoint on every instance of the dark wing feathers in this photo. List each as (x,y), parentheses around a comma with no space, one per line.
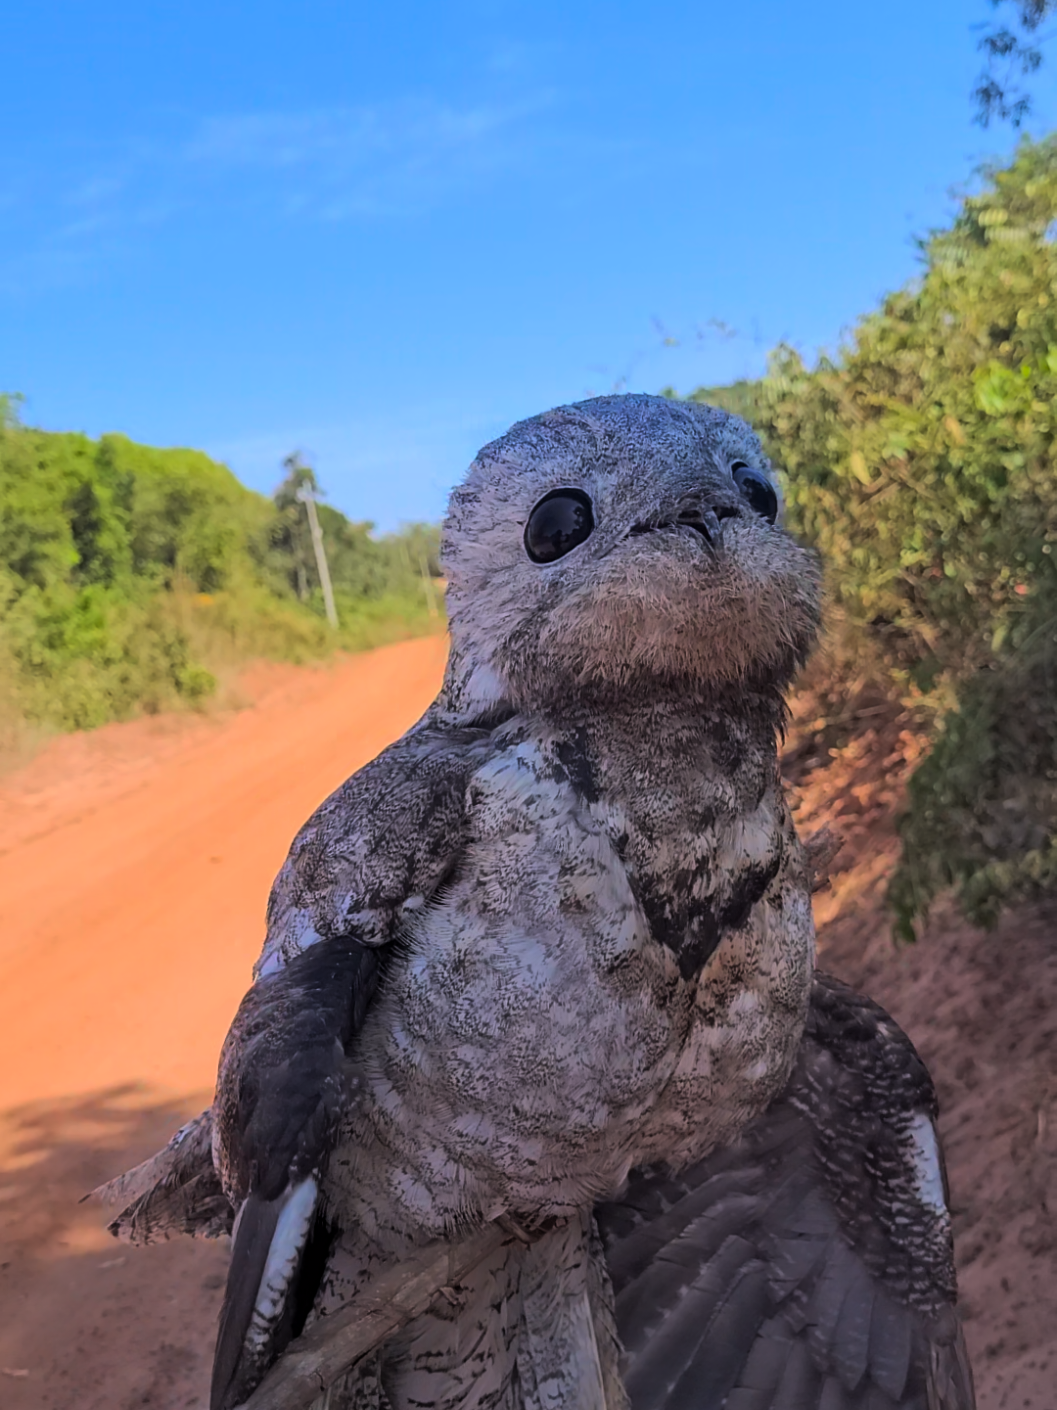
(763,1371)
(669,1341)
(810,1266)
(281,1083)
(891,1344)
(280,1092)
(737,1305)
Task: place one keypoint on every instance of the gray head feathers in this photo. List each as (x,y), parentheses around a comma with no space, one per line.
(680,584)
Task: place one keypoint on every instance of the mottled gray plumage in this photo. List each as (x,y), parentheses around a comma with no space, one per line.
(559,932)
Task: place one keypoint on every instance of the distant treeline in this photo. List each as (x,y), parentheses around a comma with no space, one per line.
(922,461)
(129,576)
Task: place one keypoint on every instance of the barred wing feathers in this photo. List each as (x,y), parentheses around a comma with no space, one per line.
(809,1267)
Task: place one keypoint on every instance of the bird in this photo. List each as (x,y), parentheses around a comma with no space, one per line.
(550,958)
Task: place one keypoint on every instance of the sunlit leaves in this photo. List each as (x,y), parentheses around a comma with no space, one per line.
(923,464)
(121,564)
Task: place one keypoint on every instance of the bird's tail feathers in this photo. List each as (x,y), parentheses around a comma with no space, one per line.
(256,1320)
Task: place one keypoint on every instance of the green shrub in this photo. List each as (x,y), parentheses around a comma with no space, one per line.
(131,577)
(982,812)
(922,462)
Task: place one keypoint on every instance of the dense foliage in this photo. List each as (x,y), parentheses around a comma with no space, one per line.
(129,575)
(922,462)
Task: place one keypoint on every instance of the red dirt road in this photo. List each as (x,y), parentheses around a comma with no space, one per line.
(134,867)
(128,925)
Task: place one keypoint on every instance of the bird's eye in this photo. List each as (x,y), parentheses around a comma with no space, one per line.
(560,522)
(758,490)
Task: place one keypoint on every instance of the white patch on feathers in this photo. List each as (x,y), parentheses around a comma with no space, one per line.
(925,1159)
(288,1241)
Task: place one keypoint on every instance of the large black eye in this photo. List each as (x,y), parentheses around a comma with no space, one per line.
(560,521)
(758,490)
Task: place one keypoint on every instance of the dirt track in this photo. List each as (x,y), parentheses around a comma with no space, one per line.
(134,866)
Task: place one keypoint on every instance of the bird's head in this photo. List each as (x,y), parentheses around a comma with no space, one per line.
(620,546)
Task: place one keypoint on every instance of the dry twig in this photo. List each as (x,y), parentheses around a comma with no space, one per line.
(332,1345)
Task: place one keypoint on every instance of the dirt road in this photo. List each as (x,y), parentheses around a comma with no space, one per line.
(134,867)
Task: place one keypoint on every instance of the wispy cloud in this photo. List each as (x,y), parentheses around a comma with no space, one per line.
(345,136)
(345,162)
(63,211)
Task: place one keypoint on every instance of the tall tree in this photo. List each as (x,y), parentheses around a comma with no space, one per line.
(299,477)
(1012,52)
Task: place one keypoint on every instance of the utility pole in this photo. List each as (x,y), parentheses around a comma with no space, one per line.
(307,498)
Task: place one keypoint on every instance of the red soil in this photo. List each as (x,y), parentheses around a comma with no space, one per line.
(134,866)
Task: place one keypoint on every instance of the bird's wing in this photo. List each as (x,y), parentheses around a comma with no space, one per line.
(375,850)
(281,1089)
(809,1267)
(177,1191)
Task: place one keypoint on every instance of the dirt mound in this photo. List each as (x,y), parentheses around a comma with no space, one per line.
(134,865)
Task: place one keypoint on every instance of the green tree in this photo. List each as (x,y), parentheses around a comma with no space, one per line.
(922,461)
(126,572)
(1012,54)
(291,534)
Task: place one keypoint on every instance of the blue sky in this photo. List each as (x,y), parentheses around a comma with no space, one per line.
(380,234)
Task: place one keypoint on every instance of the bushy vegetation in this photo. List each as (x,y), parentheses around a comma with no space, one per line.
(922,461)
(129,576)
